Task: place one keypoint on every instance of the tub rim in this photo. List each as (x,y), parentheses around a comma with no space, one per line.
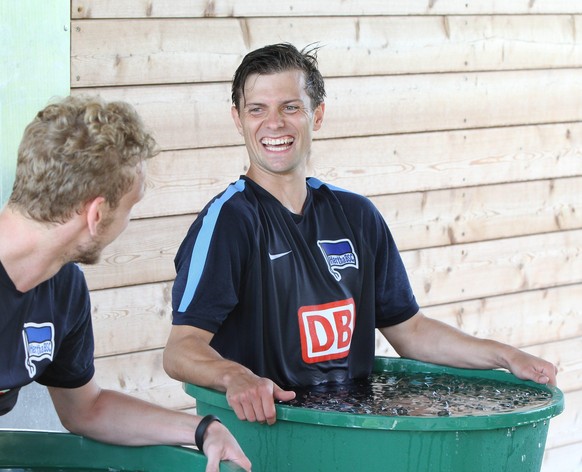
(509,420)
(31,448)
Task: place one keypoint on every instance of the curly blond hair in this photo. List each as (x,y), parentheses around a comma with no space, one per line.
(75,150)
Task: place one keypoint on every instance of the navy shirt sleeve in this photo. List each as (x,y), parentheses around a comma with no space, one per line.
(210,266)
(73,363)
(395,301)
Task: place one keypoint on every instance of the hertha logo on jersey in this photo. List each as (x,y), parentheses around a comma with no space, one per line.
(326,330)
(338,255)
(39,343)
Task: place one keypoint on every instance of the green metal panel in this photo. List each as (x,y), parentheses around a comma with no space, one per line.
(34,67)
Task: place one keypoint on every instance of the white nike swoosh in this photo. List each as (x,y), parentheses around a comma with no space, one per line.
(277,256)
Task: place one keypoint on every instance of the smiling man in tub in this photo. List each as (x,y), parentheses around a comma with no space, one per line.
(283,279)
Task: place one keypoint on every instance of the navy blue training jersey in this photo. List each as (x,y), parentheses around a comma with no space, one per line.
(295,298)
(45,334)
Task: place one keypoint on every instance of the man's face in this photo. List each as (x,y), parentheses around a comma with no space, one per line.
(277,122)
(114,222)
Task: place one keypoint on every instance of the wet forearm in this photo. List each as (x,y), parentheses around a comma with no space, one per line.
(433,341)
(197,363)
(118,418)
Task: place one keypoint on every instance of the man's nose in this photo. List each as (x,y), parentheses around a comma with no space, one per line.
(274,119)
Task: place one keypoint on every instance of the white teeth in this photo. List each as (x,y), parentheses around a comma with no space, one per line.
(276,142)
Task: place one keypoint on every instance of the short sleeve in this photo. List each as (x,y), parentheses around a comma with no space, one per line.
(73,363)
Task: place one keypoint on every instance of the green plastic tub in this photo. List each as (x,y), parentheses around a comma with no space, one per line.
(50,451)
(308,440)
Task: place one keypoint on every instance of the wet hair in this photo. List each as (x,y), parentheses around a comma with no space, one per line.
(280,58)
(75,150)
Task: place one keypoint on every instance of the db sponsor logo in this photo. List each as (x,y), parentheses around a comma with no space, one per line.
(326,330)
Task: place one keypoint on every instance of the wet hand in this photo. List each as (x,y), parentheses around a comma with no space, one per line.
(528,367)
(545,375)
(220,445)
(253,398)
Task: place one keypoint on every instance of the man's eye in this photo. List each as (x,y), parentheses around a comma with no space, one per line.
(291,108)
(255,111)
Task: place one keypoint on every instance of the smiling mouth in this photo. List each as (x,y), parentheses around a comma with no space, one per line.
(277,144)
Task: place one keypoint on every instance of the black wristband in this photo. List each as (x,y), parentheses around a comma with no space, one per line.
(201,429)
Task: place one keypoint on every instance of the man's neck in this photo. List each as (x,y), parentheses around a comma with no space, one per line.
(28,250)
(290,189)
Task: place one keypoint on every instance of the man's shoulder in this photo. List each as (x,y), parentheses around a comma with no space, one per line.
(69,284)
(234,198)
(71,271)
(231,209)
(342,194)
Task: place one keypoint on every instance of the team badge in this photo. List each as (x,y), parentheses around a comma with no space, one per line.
(39,344)
(338,255)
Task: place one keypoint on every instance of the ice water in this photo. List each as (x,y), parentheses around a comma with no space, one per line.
(422,394)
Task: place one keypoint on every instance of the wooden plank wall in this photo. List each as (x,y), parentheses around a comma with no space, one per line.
(461,120)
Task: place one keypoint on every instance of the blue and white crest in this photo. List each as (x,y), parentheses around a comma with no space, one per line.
(338,255)
(39,344)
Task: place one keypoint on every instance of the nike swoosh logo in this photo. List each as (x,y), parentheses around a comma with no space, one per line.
(277,256)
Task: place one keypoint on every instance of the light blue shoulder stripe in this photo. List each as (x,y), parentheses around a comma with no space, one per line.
(316,183)
(202,244)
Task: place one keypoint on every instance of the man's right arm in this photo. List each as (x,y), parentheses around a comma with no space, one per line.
(188,357)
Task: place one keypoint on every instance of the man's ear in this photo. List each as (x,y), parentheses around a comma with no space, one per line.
(236,119)
(318,116)
(95,212)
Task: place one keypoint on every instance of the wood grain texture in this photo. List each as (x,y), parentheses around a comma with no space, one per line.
(564,458)
(198,115)
(395,164)
(443,217)
(184,181)
(141,375)
(181,182)
(131,319)
(516,318)
(566,429)
(488,268)
(233,8)
(142,254)
(163,51)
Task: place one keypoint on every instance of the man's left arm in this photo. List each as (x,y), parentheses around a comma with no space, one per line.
(429,340)
(117,418)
